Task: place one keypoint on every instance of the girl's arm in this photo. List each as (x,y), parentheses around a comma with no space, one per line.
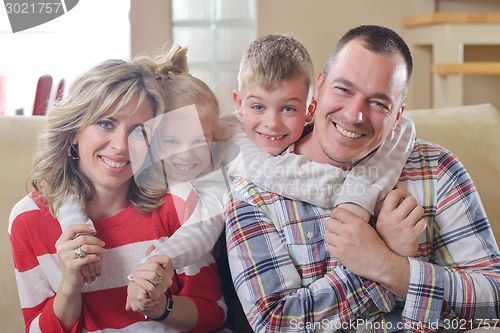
(199,208)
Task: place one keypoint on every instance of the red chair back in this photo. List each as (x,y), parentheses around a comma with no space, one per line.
(60,91)
(42,95)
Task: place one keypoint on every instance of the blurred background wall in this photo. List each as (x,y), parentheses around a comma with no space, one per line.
(318,24)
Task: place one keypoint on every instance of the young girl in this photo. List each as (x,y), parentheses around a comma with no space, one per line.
(94,140)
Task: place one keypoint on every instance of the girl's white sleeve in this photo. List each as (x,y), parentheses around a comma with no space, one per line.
(198,233)
(70,212)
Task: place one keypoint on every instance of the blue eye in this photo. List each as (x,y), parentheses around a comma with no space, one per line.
(258,108)
(106,124)
(380,105)
(288,109)
(139,132)
(199,141)
(170,141)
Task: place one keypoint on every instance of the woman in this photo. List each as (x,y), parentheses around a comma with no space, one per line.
(94,139)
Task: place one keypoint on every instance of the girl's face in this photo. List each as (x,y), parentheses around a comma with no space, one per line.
(113,146)
(185,143)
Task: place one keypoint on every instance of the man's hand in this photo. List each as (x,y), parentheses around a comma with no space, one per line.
(360,249)
(355,243)
(400,222)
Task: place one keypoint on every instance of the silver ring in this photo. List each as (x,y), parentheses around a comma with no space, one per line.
(80,253)
(158,282)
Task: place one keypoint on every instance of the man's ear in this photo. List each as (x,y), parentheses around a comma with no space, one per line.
(237,100)
(311,109)
(398,116)
(318,85)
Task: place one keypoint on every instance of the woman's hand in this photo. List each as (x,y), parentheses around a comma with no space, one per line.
(68,300)
(150,281)
(71,264)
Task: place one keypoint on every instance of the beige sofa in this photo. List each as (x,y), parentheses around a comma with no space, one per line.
(472,133)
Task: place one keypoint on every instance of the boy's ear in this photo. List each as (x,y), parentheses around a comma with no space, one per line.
(237,100)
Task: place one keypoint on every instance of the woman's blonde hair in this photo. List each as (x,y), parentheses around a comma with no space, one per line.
(56,175)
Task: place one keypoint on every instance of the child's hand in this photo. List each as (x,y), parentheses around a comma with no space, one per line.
(356,209)
(400,224)
(138,299)
(150,281)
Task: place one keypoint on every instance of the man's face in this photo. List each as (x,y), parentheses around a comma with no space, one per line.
(359,103)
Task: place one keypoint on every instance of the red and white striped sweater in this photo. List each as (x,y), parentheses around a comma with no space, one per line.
(127,235)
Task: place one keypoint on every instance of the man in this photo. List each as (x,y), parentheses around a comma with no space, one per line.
(296,268)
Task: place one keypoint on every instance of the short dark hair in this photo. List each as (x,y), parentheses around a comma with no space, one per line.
(377,39)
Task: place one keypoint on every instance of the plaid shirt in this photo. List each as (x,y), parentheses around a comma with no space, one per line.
(287,281)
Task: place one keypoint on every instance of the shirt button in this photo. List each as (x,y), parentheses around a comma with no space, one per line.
(309,235)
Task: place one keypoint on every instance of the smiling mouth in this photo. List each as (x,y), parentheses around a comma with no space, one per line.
(347,133)
(273,138)
(184,167)
(114,164)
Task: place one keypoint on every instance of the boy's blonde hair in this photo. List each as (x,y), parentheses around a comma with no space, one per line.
(56,175)
(274,59)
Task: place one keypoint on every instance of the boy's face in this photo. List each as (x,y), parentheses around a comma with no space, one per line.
(274,119)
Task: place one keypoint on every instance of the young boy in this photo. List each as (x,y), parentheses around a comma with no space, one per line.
(275,79)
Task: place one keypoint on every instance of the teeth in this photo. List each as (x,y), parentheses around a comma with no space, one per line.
(275,138)
(114,164)
(184,168)
(347,133)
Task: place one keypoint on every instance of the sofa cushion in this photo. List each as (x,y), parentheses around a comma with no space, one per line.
(18,138)
(472,133)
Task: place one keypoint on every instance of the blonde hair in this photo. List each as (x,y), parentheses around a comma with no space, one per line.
(181,89)
(274,59)
(56,175)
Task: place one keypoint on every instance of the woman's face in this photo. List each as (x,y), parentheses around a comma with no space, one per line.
(185,143)
(113,146)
